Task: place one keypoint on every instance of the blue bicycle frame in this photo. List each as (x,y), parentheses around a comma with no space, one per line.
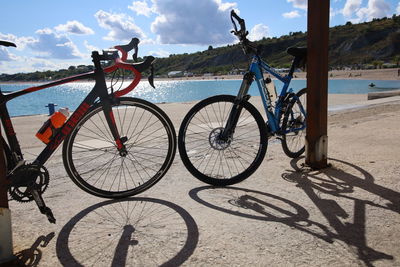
(256,73)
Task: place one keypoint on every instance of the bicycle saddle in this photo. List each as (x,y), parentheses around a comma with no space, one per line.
(5,43)
(297,51)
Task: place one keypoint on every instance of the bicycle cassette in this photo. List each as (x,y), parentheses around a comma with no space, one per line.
(28,177)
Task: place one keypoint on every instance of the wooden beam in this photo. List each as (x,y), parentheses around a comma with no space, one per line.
(317,83)
(6,245)
(3,184)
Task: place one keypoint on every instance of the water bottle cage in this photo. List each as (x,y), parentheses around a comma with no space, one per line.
(54,131)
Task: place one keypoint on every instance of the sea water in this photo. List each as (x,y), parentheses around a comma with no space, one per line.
(71,94)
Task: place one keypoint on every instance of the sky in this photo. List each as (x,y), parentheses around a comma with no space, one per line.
(52,35)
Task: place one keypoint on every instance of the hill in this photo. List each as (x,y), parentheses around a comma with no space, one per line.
(364,45)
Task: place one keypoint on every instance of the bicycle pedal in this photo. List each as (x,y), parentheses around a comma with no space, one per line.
(49,214)
(42,206)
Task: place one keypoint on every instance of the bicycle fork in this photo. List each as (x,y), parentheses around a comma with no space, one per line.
(227,133)
(110,118)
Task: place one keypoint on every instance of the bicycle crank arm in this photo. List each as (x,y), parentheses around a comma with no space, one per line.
(42,206)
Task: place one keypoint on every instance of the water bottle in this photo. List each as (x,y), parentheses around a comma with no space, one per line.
(271,89)
(48,130)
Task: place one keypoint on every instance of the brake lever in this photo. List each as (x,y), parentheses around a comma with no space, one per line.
(151,77)
(134,56)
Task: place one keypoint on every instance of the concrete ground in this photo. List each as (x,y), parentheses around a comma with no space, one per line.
(283,215)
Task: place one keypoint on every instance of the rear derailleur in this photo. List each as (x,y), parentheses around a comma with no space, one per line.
(28,182)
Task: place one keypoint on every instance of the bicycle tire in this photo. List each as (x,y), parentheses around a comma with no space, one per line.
(150,143)
(205,133)
(293,142)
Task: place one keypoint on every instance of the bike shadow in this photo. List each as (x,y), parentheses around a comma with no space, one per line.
(257,205)
(335,181)
(136,231)
(31,257)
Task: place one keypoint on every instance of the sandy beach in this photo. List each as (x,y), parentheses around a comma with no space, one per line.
(283,215)
(373,74)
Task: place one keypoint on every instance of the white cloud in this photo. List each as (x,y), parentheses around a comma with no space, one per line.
(291,15)
(225,6)
(350,7)
(121,26)
(52,45)
(374,9)
(334,12)
(5,55)
(258,32)
(302,4)
(204,22)
(141,8)
(31,64)
(89,47)
(74,27)
(20,42)
(159,53)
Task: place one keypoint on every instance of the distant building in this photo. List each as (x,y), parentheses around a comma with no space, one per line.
(175,74)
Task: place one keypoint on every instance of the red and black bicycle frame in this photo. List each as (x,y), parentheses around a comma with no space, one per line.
(98,93)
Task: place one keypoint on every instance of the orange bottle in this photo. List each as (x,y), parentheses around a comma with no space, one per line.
(48,130)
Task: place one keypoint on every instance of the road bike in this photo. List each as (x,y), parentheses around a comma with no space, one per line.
(114,146)
(223,139)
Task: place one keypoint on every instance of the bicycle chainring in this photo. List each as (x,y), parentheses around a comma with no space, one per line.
(26,177)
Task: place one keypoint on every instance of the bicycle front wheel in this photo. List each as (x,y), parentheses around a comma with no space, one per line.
(94,163)
(294,126)
(213,160)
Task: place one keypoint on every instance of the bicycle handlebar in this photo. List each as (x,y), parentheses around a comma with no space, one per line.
(5,43)
(248,47)
(241,33)
(128,47)
(119,63)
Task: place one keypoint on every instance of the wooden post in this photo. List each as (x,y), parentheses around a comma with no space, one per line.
(6,247)
(317,83)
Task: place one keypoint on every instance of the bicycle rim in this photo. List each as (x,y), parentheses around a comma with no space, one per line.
(93,162)
(294,124)
(214,161)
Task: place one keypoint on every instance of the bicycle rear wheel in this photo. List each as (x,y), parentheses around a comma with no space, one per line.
(294,126)
(94,163)
(213,160)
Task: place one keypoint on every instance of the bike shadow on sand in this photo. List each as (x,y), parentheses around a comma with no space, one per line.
(345,181)
(30,257)
(257,205)
(136,231)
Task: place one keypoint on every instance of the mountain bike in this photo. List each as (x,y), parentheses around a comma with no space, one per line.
(223,139)
(114,146)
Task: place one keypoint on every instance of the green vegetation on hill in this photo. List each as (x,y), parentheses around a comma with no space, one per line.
(369,44)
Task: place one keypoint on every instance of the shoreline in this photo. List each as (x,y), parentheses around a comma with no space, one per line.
(336,102)
(375,74)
